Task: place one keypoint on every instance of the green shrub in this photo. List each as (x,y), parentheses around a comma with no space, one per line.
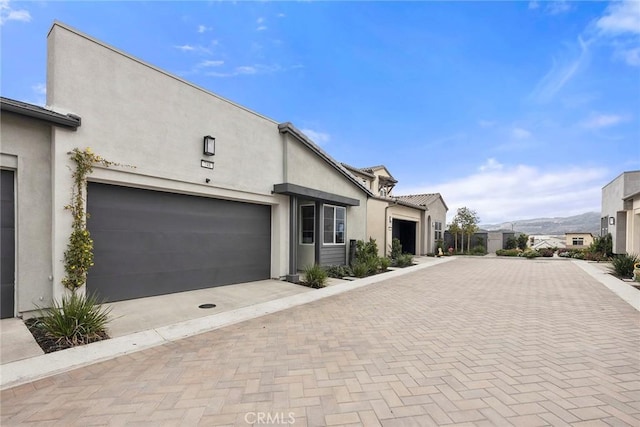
(478,250)
(530,254)
(338,271)
(577,253)
(384,263)
(522,240)
(404,260)
(511,243)
(396,248)
(546,252)
(360,269)
(315,276)
(507,252)
(602,245)
(595,256)
(76,320)
(366,251)
(622,265)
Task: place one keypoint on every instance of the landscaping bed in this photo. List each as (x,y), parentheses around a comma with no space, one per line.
(49,344)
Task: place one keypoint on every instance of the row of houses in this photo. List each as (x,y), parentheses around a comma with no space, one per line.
(205,192)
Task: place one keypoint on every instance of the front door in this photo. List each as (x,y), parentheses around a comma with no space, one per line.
(306,235)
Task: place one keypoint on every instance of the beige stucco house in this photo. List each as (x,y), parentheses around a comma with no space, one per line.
(259,201)
(620,214)
(418,221)
(578,240)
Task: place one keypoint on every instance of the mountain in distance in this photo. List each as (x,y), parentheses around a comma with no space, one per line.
(585,223)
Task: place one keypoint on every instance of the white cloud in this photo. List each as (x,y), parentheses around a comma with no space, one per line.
(502,193)
(191,48)
(7,13)
(558,7)
(40,88)
(210,63)
(597,121)
(491,165)
(520,133)
(319,138)
(560,74)
(620,26)
(486,123)
(630,56)
(621,17)
(261,27)
(203,28)
(185,48)
(248,70)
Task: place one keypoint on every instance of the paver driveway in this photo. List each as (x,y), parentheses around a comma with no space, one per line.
(473,341)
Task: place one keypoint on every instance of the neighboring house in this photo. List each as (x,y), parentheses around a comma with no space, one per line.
(263,203)
(578,240)
(546,242)
(619,212)
(418,221)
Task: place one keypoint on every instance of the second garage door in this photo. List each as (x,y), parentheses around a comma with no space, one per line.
(152,243)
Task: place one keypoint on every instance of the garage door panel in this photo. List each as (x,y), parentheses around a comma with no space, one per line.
(152,243)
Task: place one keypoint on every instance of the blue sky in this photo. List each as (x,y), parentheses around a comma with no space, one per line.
(514,109)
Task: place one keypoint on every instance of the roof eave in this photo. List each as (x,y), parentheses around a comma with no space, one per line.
(69,121)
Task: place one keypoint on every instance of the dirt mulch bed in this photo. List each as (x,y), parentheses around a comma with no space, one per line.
(48,344)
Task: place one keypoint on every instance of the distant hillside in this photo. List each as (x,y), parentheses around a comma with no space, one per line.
(588,223)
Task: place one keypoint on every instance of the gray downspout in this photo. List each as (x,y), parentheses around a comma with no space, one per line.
(293,276)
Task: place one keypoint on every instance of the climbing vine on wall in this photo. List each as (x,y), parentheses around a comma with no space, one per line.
(78,257)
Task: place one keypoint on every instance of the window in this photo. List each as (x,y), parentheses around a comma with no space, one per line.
(438,230)
(334,224)
(307,224)
(578,241)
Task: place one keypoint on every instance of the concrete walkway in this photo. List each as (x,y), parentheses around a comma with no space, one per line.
(476,341)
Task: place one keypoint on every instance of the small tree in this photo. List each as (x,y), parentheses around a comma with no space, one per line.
(454,230)
(522,241)
(468,220)
(511,243)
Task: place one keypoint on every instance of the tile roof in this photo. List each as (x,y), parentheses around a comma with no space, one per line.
(422,199)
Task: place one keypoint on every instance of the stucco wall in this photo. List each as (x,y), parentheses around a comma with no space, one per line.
(135,114)
(378,226)
(304,169)
(633,226)
(26,149)
(438,213)
(613,193)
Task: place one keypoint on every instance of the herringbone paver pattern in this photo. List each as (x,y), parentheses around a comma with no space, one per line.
(470,342)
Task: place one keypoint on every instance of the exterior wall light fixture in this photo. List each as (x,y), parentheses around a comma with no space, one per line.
(209,147)
(612,221)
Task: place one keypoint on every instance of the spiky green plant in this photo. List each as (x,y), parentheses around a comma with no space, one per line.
(75,320)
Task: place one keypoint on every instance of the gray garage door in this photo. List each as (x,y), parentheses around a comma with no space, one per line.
(153,243)
(7,245)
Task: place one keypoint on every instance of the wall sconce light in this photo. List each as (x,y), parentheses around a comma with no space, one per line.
(612,221)
(209,147)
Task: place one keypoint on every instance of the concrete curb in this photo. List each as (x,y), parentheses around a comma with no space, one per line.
(617,286)
(27,370)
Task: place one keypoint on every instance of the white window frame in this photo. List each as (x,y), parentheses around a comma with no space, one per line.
(302,224)
(335,233)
